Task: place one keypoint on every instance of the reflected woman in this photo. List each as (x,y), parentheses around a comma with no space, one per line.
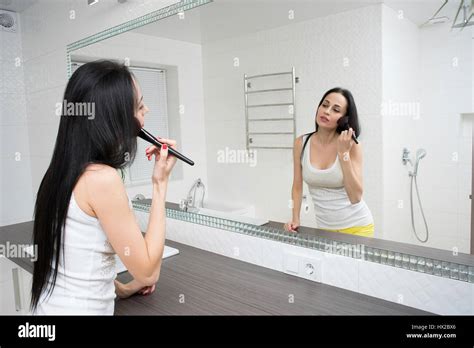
(330,163)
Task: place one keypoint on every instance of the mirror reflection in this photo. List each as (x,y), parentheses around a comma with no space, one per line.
(270,109)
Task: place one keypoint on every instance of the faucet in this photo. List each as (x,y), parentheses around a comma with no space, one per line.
(189,204)
(420,153)
(405,157)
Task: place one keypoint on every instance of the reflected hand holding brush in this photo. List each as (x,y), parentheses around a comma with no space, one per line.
(342,125)
(147,136)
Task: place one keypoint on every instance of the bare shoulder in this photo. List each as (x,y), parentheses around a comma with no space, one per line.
(299,141)
(102,177)
(98,180)
(298,146)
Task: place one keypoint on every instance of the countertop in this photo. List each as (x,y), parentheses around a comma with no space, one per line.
(198,282)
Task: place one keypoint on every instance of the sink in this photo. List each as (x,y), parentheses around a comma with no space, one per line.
(167,252)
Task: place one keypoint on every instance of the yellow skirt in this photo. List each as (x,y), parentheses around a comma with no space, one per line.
(364,231)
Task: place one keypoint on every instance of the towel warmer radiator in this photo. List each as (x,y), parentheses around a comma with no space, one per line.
(250,135)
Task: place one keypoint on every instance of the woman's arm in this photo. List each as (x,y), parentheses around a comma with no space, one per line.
(108,198)
(350,157)
(297,187)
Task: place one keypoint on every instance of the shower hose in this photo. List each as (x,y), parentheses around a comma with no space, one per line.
(413,179)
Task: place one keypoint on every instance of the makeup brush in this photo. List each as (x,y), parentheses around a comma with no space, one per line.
(343,124)
(145,135)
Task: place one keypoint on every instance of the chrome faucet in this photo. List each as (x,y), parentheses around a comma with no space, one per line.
(406,157)
(189,204)
(420,153)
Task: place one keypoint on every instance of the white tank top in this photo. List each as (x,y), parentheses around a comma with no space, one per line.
(85,283)
(332,206)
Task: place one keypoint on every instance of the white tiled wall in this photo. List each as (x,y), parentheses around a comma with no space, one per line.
(414,289)
(15,173)
(431,67)
(426,292)
(45,30)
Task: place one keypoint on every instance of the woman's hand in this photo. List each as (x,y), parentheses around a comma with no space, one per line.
(126,290)
(147,290)
(345,142)
(163,163)
(292,226)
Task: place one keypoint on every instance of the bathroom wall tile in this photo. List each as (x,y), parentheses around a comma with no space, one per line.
(43,145)
(464,230)
(414,289)
(340,271)
(272,254)
(42,106)
(245,248)
(11,46)
(39,165)
(12,141)
(16,203)
(46,71)
(13,110)
(16,197)
(12,79)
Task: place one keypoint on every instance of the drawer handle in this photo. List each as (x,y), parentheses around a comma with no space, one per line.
(16,289)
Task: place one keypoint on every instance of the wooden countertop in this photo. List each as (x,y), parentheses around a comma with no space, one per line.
(212,284)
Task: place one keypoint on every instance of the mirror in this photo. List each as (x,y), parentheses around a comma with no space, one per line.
(236,81)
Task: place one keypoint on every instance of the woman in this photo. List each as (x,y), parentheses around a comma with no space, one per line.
(82,212)
(331,166)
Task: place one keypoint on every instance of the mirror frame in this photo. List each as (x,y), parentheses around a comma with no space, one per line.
(151,17)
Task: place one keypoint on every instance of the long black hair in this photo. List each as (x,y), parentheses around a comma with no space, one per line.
(107,136)
(351,113)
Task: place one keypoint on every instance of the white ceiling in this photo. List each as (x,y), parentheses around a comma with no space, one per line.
(227,18)
(419,11)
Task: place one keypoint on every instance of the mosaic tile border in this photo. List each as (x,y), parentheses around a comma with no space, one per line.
(415,263)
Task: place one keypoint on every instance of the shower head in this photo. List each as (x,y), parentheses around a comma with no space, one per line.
(420,153)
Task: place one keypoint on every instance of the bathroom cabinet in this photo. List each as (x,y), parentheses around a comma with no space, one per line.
(15,288)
